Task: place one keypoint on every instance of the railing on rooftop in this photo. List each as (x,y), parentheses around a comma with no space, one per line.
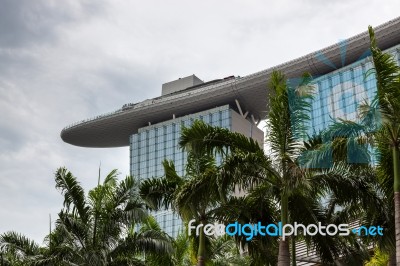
(147,102)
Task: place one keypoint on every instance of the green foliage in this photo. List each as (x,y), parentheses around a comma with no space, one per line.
(15,249)
(379,259)
(97,229)
(387,74)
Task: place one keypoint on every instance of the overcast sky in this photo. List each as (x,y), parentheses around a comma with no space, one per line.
(64,61)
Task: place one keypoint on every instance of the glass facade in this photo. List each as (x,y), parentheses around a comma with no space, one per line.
(155,143)
(339,93)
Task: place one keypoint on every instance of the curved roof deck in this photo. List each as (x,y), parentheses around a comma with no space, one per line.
(113,129)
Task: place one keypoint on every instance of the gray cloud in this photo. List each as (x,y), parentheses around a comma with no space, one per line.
(25,22)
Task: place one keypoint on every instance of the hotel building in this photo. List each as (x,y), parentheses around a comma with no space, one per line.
(151,128)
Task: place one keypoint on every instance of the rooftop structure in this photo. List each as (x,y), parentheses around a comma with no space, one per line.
(180,84)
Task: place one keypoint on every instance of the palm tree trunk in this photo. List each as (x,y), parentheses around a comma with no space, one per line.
(396,175)
(284,254)
(202,248)
(293,242)
(392,259)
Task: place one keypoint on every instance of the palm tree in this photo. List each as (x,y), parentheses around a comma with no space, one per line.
(379,128)
(387,74)
(377,207)
(192,196)
(247,167)
(285,125)
(287,117)
(16,249)
(385,216)
(100,229)
(277,179)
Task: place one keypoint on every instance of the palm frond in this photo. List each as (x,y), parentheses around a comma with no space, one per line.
(387,74)
(216,139)
(18,243)
(72,191)
(158,192)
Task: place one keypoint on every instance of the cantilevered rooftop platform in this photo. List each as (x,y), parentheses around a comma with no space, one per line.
(113,129)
